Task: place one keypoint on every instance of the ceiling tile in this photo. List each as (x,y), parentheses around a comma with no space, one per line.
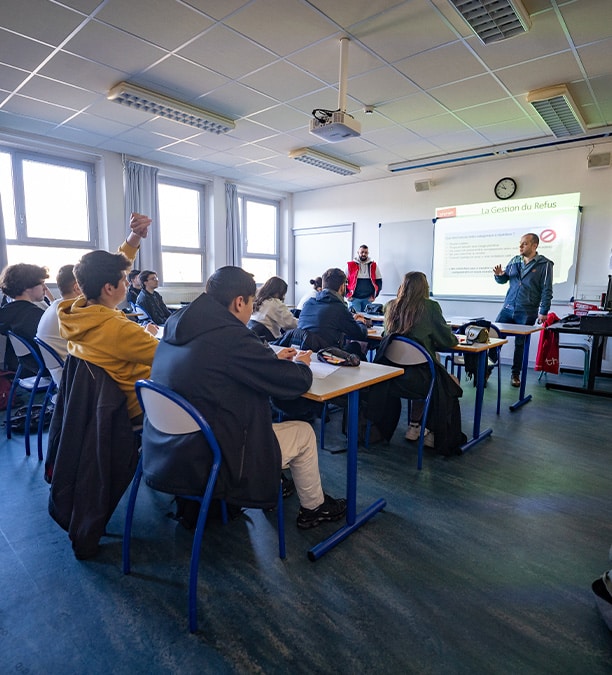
(82,73)
(322,59)
(546,36)
(98,125)
(235,100)
(379,86)
(282,118)
(53,91)
(547,71)
(511,131)
(282,81)
(436,125)
(22,105)
(409,28)
(181,78)
(218,9)
(451,62)
(39,19)
(498,111)
(411,108)
(467,93)
(112,47)
(284,26)
(166,23)
(11,78)
(587,24)
(227,53)
(596,57)
(21,52)
(356,11)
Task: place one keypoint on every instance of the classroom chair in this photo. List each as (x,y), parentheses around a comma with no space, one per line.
(171,414)
(404,352)
(33,384)
(52,361)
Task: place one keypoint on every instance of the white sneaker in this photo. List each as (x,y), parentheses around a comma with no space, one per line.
(413,432)
(428,441)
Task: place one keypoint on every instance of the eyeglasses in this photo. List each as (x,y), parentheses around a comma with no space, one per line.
(152,279)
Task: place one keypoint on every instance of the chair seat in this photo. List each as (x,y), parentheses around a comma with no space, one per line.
(29,383)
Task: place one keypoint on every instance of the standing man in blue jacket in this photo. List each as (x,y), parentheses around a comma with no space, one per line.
(529,296)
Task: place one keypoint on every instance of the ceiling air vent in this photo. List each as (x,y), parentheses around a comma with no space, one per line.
(494,20)
(558,110)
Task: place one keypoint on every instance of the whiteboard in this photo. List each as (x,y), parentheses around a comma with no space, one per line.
(405,246)
(317,249)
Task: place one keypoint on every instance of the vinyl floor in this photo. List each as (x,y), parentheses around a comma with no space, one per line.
(479,564)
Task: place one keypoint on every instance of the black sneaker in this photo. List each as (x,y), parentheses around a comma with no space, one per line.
(330,509)
(288,486)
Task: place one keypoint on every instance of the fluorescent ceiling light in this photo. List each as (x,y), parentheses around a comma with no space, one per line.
(557,108)
(157,104)
(323,161)
(494,20)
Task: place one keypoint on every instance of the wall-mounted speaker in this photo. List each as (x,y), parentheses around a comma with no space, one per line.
(423,185)
(599,161)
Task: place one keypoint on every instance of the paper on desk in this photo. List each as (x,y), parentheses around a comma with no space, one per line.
(321,370)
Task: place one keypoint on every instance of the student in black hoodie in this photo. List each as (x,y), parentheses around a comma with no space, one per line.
(211,358)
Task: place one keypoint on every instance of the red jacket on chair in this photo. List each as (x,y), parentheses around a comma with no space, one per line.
(547,358)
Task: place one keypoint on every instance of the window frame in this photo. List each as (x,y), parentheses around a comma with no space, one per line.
(243,199)
(201,188)
(18,156)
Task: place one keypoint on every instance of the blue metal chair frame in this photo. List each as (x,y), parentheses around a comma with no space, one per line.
(51,359)
(416,355)
(144,390)
(34,384)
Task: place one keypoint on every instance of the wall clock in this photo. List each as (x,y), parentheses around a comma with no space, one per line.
(505,188)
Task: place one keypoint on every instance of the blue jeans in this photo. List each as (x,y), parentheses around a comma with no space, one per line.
(519,317)
(359,304)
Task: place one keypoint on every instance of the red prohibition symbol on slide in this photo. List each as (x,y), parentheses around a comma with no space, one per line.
(547,236)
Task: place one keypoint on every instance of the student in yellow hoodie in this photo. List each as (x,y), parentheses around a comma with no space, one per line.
(98,332)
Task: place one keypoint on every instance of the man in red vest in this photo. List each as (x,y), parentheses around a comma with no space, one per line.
(364,280)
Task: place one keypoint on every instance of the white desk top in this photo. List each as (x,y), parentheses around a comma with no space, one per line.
(518,329)
(346,379)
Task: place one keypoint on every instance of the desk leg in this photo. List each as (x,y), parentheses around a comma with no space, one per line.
(353,519)
(594,369)
(525,367)
(477,436)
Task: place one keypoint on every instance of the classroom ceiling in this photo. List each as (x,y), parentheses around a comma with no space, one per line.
(435,87)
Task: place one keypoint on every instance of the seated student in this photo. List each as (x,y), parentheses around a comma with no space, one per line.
(211,358)
(48,326)
(269,308)
(96,331)
(414,315)
(328,316)
(134,286)
(150,300)
(317,286)
(25,284)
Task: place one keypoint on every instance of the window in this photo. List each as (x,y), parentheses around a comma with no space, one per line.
(181,217)
(48,208)
(259,225)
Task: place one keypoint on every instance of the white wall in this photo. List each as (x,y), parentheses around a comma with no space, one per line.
(394,199)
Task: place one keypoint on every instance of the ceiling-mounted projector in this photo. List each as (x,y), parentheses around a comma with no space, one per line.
(334,127)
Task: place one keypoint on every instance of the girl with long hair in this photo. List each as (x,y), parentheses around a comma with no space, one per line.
(415,315)
(269,308)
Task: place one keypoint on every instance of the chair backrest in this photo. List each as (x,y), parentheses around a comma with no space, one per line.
(50,356)
(22,348)
(140,310)
(171,414)
(406,352)
(494,331)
